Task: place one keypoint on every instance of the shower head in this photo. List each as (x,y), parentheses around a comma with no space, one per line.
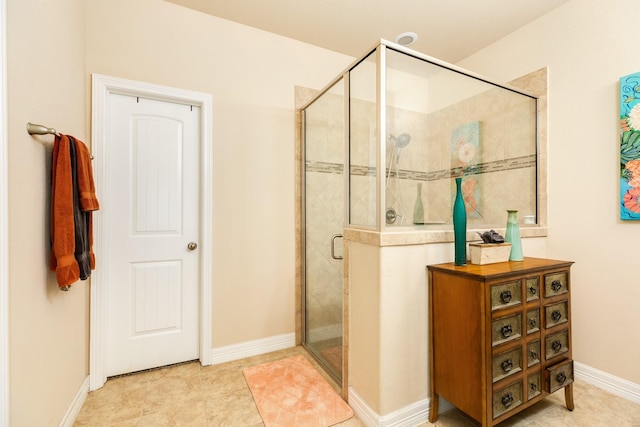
(401,140)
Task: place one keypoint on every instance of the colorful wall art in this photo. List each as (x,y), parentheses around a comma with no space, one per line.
(465,156)
(630,147)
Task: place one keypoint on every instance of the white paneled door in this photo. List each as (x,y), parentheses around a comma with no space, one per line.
(153,228)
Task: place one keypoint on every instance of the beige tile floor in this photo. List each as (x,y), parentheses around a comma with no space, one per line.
(191,395)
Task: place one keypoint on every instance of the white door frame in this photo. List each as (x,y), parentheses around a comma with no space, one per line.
(4,225)
(102,87)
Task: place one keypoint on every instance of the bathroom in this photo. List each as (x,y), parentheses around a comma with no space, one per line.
(254,258)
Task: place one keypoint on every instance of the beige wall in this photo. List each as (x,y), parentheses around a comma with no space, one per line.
(587,46)
(48,328)
(53,47)
(251,75)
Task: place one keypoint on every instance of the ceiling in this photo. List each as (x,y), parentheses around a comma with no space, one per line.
(447,29)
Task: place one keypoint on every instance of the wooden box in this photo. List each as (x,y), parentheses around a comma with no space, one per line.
(489,253)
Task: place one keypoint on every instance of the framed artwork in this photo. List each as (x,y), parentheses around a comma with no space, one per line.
(630,147)
(465,154)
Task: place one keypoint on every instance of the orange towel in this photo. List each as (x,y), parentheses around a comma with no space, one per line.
(87,190)
(62,259)
(63,228)
(88,198)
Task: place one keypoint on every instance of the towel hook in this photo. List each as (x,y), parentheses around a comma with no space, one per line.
(35,129)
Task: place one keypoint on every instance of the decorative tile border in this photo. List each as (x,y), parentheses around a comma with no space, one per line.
(324,167)
(477,169)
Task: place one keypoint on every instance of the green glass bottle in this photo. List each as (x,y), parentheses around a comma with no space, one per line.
(513,236)
(459,226)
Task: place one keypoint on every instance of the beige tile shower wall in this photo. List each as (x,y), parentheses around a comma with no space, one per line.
(324,202)
(363,144)
(324,211)
(325,130)
(505,133)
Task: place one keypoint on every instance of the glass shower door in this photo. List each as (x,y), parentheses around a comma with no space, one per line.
(323,221)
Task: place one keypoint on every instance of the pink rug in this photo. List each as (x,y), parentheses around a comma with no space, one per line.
(290,392)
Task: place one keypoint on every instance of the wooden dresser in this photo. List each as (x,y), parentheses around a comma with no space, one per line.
(500,336)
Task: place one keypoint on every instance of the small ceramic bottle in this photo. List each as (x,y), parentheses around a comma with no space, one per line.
(418,208)
(513,236)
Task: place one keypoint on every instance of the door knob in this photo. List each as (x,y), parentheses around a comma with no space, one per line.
(192,246)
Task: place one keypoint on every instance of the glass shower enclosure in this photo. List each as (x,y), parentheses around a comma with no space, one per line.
(381,145)
(323,220)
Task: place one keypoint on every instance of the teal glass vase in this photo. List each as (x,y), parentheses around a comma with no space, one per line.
(418,208)
(513,236)
(459,226)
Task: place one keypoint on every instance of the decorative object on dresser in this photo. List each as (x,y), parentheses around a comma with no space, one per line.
(492,250)
(499,336)
(459,226)
(512,236)
(489,253)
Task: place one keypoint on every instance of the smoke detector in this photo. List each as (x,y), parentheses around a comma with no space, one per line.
(405,39)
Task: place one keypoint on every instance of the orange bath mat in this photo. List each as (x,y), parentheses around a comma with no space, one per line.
(290,392)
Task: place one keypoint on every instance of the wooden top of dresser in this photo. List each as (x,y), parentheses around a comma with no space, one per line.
(500,269)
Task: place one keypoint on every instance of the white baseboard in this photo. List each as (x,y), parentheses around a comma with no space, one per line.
(612,384)
(411,415)
(252,348)
(76,405)
(418,412)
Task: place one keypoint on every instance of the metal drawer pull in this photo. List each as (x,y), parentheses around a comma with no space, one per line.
(556,315)
(561,377)
(532,290)
(533,386)
(333,244)
(507,399)
(556,346)
(507,365)
(505,296)
(506,331)
(533,322)
(533,354)
(556,285)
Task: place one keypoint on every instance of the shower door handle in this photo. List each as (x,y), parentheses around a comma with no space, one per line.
(333,246)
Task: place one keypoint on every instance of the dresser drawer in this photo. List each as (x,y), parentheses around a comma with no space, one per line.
(534,385)
(507,399)
(533,353)
(506,295)
(533,321)
(533,288)
(506,328)
(555,314)
(559,375)
(507,363)
(556,284)
(556,344)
